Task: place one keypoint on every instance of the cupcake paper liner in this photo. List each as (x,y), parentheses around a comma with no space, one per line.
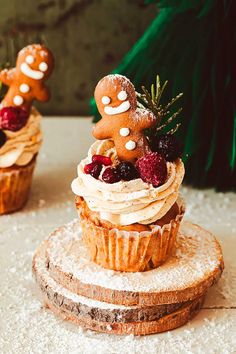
(130,251)
(15,185)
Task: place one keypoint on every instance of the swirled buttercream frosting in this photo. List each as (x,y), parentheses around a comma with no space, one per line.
(21,146)
(127,202)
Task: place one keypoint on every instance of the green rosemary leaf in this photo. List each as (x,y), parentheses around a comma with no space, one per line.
(158,86)
(169,120)
(161,92)
(148,96)
(153,93)
(140,105)
(173,100)
(174,130)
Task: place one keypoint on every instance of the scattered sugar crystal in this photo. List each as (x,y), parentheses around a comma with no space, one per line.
(12,270)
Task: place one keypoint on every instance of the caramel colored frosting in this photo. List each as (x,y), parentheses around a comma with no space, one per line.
(126,203)
(21,146)
(94,217)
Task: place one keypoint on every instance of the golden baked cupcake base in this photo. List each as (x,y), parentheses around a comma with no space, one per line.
(131,248)
(123,303)
(15,183)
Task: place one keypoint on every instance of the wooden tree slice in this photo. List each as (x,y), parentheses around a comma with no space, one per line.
(166,323)
(110,318)
(196,265)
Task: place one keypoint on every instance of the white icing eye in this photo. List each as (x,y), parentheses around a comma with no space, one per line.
(106,100)
(43,66)
(29,59)
(122,95)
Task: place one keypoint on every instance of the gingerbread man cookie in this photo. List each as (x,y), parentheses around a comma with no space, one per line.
(26,81)
(121,120)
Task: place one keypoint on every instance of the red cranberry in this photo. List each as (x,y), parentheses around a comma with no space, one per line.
(104,160)
(13,118)
(93,169)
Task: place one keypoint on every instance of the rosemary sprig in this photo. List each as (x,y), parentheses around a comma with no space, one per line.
(169,120)
(151,100)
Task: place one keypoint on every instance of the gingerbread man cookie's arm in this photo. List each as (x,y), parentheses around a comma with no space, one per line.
(146,119)
(7,76)
(42,93)
(102,130)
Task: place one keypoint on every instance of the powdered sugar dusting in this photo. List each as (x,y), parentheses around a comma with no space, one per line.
(142,113)
(57,288)
(197,257)
(123,81)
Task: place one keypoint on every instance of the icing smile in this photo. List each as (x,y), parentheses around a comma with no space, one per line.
(123,107)
(33,74)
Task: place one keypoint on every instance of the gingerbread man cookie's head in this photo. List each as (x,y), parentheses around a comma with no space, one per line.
(114,95)
(34,64)
(121,120)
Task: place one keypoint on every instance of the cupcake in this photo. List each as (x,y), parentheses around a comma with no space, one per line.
(127,188)
(20,132)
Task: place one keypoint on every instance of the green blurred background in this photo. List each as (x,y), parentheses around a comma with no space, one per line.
(87,37)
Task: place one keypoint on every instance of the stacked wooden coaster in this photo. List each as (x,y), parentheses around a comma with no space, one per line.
(123,303)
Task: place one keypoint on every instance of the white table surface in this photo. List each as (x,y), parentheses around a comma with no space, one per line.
(26,327)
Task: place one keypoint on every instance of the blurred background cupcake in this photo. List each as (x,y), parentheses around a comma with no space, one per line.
(20,132)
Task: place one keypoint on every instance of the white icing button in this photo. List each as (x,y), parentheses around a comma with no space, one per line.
(106,100)
(130,145)
(24,88)
(122,95)
(124,131)
(43,66)
(18,100)
(29,59)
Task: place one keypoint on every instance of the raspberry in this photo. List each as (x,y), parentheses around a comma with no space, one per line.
(152,168)
(13,118)
(127,171)
(3,138)
(111,175)
(168,146)
(104,160)
(93,169)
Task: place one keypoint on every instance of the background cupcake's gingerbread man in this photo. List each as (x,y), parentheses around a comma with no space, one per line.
(121,120)
(26,81)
